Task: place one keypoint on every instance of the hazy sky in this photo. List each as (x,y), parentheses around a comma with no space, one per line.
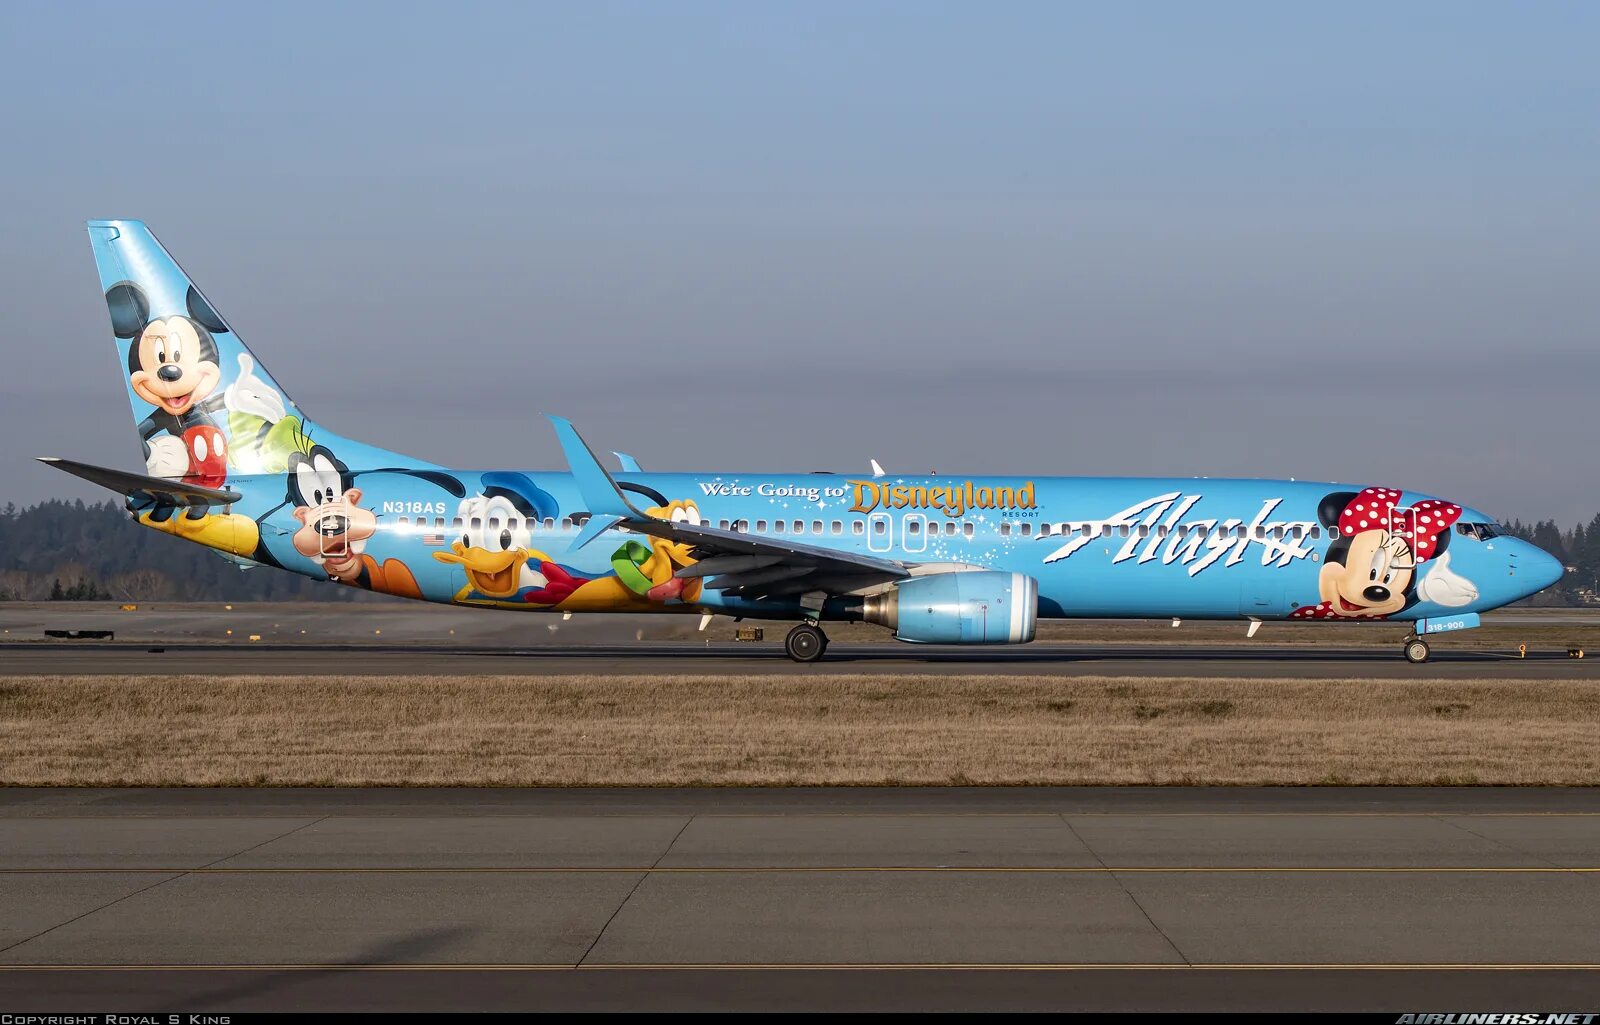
(1348,241)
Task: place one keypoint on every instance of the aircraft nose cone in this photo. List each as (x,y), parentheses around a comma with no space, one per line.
(1538,567)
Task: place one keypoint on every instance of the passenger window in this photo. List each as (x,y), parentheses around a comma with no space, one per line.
(722,524)
(761,526)
(1316,533)
(742,526)
(967,528)
(1005,529)
(856,527)
(816,527)
(404,521)
(1044,530)
(1144,530)
(778,526)
(1123,530)
(879,526)
(549,523)
(950,528)
(456,522)
(913,527)
(566,523)
(838,527)
(1027,528)
(477,523)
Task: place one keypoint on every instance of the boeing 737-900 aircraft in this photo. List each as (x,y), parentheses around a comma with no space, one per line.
(233,464)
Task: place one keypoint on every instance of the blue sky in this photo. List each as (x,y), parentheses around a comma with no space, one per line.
(1352,243)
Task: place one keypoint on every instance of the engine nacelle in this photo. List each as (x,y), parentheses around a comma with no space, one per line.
(977,607)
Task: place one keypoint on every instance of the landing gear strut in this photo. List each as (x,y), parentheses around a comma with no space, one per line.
(805,643)
(1416,650)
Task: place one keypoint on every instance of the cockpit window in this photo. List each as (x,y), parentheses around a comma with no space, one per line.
(1481,531)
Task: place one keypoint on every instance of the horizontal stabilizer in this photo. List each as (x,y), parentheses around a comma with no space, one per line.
(124,483)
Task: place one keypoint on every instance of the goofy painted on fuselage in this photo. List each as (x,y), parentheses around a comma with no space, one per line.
(232,463)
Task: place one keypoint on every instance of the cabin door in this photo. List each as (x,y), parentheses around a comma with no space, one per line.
(1403,525)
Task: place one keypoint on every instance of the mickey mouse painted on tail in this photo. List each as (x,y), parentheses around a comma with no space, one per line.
(1373,567)
(174,366)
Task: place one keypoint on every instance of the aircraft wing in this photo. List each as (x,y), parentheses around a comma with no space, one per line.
(737,564)
(125,484)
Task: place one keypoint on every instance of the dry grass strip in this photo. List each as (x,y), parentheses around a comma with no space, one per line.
(787,731)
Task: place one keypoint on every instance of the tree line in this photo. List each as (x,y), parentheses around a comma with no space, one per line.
(59,550)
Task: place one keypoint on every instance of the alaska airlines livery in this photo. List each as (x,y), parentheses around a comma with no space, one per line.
(233,464)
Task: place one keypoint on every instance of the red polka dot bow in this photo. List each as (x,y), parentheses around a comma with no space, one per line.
(1373,509)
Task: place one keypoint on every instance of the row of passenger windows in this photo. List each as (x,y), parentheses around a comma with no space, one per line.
(815,527)
(913,527)
(1163,530)
(495,522)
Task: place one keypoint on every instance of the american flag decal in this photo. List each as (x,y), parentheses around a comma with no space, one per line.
(433,539)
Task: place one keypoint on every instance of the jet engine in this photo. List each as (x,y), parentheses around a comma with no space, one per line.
(976,607)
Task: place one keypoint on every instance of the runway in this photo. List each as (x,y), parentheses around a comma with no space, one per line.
(727,658)
(1025,898)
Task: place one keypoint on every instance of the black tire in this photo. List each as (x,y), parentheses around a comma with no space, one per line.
(1416,651)
(805,643)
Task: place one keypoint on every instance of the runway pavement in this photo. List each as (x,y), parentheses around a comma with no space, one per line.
(215,900)
(1265,662)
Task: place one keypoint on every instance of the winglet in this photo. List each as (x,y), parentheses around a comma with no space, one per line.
(877,471)
(629,464)
(607,506)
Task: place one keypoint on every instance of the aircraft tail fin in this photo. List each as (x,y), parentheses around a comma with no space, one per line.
(204,405)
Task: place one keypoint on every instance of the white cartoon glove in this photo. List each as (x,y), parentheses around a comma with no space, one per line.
(1442,587)
(251,395)
(168,457)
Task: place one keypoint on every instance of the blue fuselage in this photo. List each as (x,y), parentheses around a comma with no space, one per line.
(1098,547)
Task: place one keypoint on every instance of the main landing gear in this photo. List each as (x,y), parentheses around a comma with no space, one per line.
(1416,650)
(805,643)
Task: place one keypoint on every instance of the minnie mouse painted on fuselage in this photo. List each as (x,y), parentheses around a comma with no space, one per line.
(173,365)
(1370,569)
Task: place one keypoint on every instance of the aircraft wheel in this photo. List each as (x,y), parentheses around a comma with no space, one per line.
(1416,651)
(805,643)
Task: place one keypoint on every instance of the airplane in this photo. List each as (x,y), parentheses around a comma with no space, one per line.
(232,463)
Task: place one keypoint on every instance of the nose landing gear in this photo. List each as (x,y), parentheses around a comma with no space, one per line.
(806,643)
(1416,650)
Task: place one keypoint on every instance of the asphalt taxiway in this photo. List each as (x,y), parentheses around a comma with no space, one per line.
(730,658)
(857,898)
